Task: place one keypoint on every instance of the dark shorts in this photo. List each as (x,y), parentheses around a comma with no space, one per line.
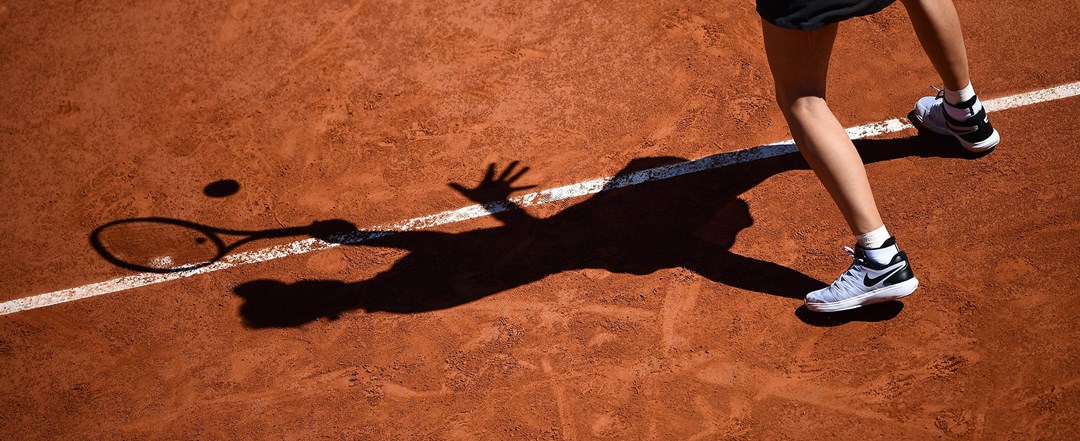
(807,15)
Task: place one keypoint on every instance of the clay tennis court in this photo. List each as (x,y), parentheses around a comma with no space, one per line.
(665,308)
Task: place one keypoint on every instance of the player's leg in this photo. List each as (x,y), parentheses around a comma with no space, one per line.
(957,111)
(938,28)
(799,61)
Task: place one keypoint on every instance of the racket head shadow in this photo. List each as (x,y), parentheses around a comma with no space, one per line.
(157,244)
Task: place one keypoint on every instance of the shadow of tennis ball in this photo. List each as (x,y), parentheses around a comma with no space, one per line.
(222,188)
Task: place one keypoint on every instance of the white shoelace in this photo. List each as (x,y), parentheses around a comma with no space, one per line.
(848,282)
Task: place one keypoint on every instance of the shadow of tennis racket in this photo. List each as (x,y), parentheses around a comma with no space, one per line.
(164,245)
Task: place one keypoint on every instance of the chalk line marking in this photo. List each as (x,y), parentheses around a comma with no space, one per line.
(475,211)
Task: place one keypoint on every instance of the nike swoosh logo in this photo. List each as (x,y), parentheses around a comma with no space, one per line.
(874,281)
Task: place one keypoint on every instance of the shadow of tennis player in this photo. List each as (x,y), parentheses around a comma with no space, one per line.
(689,221)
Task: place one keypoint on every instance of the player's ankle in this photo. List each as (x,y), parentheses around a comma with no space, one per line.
(955,97)
(873,239)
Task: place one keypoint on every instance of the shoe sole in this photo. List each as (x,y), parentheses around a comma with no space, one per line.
(979,147)
(884,294)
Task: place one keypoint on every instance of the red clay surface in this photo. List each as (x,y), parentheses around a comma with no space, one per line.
(628,315)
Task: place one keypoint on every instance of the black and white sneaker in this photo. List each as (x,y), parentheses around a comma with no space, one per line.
(865,282)
(975,132)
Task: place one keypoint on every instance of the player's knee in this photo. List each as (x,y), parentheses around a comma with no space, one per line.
(802,104)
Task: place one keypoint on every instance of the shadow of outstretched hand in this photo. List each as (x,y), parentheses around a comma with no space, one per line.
(491,188)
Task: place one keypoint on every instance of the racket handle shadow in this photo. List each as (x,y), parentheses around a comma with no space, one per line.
(342,232)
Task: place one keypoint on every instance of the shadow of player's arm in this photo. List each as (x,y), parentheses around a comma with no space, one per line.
(402,240)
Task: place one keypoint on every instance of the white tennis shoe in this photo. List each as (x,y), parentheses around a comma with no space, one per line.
(975,133)
(865,282)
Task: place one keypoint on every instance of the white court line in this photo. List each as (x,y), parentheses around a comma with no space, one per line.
(475,211)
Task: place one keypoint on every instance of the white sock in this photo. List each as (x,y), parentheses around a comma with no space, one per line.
(958,96)
(953,97)
(872,244)
(873,239)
